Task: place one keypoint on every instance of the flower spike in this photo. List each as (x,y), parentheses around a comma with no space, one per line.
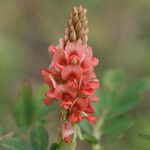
(71,75)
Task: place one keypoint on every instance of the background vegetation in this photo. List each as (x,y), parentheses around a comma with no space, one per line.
(119,35)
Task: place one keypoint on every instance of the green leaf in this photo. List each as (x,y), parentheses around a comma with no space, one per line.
(42,109)
(39,138)
(117,125)
(54,146)
(112,85)
(112,79)
(91,139)
(15,144)
(85,126)
(118,101)
(114,129)
(24,109)
(130,98)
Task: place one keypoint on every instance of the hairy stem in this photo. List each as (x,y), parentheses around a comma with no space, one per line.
(73,142)
(97,130)
(62,145)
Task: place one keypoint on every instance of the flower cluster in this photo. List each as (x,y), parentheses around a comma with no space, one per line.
(67,131)
(72,80)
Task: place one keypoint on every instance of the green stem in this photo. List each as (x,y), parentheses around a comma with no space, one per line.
(62,145)
(73,142)
(97,130)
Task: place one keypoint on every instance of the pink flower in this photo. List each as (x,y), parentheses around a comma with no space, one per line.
(72,80)
(60,58)
(65,95)
(81,109)
(88,88)
(71,72)
(80,104)
(67,130)
(75,116)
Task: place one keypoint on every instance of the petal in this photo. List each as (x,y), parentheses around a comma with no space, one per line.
(75,117)
(90,109)
(89,51)
(95,61)
(87,91)
(52,49)
(47,101)
(94,84)
(81,103)
(67,139)
(71,72)
(67,129)
(93,74)
(45,74)
(51,94)
(65,94)
(60,58)
(86,63)
(93,98)
(74,48)
(65,105)
(91,119)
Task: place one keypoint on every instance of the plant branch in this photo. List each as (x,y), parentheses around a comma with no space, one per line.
(11,134)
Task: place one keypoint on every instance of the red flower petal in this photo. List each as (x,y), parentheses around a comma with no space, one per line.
(47,101)
(52,49)
(75,49)
(60,58)
(81,103)
(71,72)
(91,119)
(95,61)
(94,84)
(67,139)
(67,130)
(51,94)
(64,93)
(90,109)
(93,98)
(45,73)
(75,117)
(89,51)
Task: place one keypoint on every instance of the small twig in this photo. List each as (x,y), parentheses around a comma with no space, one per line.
(11,134)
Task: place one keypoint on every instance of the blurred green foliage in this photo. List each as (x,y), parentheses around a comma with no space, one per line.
(24,109)
(116,101)
(14,144)
(29,108)
(39,138)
